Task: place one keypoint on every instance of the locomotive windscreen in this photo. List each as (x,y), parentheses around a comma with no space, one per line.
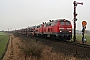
(62,23)
(65,22)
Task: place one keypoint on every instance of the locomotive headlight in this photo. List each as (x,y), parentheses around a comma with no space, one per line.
(69,31)
(60,31)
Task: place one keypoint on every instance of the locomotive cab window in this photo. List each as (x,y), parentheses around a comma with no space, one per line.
(67,22)
(49,24)
(62,23)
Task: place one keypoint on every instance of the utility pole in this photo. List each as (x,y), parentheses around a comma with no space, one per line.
(75,19)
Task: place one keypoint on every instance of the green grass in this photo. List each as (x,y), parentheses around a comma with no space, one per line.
(79,38)
(3,41)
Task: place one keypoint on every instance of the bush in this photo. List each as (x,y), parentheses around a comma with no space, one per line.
(31,48)
(16,34)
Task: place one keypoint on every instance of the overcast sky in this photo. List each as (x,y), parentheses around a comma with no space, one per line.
(18,14)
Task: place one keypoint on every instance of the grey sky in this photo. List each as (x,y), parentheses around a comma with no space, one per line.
(18,14)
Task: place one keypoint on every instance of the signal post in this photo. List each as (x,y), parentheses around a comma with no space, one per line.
(75,19)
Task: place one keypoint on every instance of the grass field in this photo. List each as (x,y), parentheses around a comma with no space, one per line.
(79,38)
(3,41)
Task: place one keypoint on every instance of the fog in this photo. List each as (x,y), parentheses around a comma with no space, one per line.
(17,14)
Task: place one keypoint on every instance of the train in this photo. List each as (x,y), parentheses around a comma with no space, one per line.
(56,29)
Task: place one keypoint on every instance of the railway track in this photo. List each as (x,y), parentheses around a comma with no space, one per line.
(68,48)
(68,42)
(77,44)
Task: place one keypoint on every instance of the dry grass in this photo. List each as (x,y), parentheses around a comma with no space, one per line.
(33,50)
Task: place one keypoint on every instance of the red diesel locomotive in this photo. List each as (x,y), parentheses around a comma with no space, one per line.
(60,29)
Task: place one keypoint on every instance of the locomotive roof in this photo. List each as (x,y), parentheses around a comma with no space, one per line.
(57,20)
(52,21)
(62,20)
